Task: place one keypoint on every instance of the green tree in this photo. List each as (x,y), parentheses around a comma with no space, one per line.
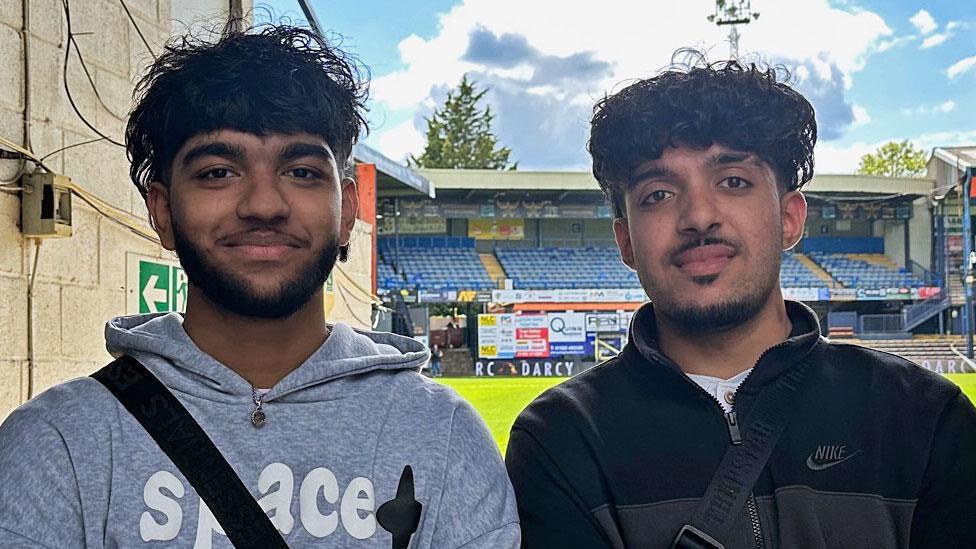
(459,134)
(894,159)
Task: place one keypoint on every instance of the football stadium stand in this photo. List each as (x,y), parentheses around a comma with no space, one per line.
(869,271)
(566,268)
(431,264)
(795,273)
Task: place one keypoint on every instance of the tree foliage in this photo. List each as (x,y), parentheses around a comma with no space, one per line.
(459,134)
(894,159)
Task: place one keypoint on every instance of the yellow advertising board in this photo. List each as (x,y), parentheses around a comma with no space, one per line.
(496,229)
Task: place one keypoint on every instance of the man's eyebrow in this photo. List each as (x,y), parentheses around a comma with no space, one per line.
(217,148)
(301,150)
(651,172)
(733,157)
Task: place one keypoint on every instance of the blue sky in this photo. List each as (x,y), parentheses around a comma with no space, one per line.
(875,70)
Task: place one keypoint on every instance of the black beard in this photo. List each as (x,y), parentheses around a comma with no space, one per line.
(236,295)
(720,316)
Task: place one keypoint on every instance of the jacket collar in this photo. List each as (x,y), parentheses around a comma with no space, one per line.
(802,340)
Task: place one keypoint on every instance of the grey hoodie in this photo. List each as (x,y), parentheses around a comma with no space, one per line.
(77,470)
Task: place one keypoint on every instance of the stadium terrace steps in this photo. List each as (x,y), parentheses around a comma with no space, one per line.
(492,267)
(432,264)
(566,268)
(956,290)
(914,349)
(815,269)
(856,271)
(880,260)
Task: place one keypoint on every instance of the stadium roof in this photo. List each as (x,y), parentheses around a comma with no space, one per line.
(391,176)
(962,157)
(496,180)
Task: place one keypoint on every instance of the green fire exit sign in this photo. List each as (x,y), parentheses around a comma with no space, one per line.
(154,285)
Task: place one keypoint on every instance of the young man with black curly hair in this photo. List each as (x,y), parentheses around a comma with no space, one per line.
(810,443)
(239,147)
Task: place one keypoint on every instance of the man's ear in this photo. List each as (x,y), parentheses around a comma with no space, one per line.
(794,211)
(157,201)
(621,233)
(350,207)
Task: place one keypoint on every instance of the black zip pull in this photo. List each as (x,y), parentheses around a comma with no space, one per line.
(733,424)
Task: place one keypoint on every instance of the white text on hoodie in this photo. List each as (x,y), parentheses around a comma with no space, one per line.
(354,512)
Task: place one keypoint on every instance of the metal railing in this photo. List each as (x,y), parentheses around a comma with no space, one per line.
(924,310)
(921,273)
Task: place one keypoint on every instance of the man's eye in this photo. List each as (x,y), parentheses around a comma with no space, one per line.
(735,183)
(658,196)
(216,173)
(303,173)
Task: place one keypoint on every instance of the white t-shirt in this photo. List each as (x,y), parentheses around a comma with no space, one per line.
(722,389)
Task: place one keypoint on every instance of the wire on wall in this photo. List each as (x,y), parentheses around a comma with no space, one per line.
(121,217)
(138,30)
(67,88)
(73,145)
(5,184)
(30,321)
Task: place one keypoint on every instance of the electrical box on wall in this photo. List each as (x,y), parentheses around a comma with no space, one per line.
(45,206)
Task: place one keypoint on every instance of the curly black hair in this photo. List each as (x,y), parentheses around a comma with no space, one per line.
(746,108)
(269,79)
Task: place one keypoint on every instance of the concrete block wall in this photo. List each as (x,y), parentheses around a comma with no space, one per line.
(349,304)
(79,281)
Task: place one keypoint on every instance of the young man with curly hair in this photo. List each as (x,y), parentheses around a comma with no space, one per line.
(239,147)
(811,443)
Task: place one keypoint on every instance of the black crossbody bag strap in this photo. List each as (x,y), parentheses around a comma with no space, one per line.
(192,451)
(732,483)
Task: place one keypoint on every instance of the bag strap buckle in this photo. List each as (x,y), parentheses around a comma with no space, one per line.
(690,537)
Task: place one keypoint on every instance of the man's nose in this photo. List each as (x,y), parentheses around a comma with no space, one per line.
(263,197)
(701,211)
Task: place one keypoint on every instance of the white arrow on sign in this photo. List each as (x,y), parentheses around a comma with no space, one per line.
(152,294)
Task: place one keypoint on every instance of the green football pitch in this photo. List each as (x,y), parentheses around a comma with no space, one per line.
(500,399)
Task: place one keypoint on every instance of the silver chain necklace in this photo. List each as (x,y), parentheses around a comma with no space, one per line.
(257,416)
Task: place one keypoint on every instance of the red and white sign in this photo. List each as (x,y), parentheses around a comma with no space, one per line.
(531,336)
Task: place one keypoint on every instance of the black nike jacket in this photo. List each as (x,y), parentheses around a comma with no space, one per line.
(878,452)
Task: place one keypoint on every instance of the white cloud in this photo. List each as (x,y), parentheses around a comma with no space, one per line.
(934,40)
(841,159)
(400,141)
(635,46)
(886,45)
(945,139)
(941,108)
(961,67)
(924,22)
(861,116)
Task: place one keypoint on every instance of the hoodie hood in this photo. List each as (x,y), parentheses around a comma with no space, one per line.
(345,353)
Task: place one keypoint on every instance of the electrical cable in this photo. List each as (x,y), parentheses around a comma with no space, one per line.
(30,322)
(62,149)
(91,81)
(138,30)
(27,154)
(123,218)
(67,89)
(370,297)
(371,323)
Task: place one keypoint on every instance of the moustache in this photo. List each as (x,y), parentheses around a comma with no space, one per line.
(697,243)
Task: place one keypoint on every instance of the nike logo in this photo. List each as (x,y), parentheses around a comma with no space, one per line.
(819,460)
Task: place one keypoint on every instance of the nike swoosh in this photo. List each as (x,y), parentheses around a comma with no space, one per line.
(814,466)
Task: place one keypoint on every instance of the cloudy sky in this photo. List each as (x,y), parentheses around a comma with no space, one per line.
(875,70)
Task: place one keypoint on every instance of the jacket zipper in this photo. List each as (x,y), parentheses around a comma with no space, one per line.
(735,437)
